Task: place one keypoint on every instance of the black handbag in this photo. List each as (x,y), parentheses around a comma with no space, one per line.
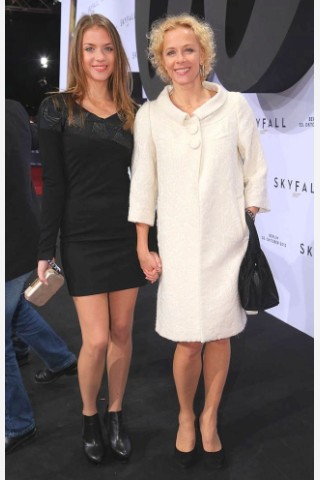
(257,288)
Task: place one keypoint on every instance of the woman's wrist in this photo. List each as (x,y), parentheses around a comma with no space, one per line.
(251,213)
(142,251)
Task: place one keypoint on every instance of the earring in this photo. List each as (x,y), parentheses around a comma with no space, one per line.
(202,71)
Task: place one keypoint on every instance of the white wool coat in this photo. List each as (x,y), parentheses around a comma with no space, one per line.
(198,172)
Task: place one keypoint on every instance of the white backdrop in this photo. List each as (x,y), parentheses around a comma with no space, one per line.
(285,121)
(286,233)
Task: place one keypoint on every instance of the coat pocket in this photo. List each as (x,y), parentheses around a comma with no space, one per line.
(233,223)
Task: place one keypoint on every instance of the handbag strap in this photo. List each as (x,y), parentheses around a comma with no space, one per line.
(254,241)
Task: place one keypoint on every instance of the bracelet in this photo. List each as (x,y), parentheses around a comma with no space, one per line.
(54,266)
(252,215)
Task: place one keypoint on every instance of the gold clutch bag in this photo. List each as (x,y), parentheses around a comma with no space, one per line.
(38,293)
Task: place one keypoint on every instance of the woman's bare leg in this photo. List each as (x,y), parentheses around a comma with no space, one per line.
(93,314)
(121,305)
(187,366)
(216,360)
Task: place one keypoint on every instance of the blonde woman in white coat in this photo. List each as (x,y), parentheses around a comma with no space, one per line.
(197,161)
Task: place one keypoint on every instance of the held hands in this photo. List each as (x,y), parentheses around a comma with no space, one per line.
(43,266)
(150,264)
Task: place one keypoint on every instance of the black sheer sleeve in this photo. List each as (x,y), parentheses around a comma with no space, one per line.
(51,121)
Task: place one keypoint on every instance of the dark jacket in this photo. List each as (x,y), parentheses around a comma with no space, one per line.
(22,207)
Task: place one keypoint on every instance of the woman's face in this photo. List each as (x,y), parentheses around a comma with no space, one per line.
(181,56)
(98,59)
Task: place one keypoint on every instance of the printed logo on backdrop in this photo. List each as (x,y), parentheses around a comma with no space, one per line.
(294,186)
(126,27)
(306,250)
(125,21)
(92,8)
(309,123)
(271,238)
(264,123)
(259,57)
(274,239)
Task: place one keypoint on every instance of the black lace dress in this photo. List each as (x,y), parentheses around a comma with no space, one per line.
(86,183)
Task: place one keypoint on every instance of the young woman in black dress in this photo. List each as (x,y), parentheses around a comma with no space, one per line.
(85,136)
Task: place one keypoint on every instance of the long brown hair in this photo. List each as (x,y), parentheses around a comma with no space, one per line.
(119,83)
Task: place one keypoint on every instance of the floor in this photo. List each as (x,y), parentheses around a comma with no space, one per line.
(266,415)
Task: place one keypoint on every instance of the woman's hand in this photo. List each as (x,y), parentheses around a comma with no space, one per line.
(43,266)
(252,212)
(151,266)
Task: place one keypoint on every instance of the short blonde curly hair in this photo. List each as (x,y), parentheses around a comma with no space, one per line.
(200,28)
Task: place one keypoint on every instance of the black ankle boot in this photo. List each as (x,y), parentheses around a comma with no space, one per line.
(92,440)
(118,437)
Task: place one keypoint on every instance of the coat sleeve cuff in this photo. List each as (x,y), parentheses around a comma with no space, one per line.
(139,216)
